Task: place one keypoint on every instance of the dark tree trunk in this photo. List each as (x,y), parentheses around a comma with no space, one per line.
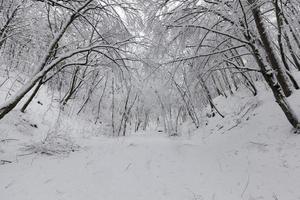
(292,51)
(40,83)
(273,58)
(210,100)
(276,89)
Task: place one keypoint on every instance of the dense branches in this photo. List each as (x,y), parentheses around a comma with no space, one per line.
(138,63)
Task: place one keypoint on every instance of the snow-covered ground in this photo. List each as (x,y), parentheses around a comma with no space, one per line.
(252,154)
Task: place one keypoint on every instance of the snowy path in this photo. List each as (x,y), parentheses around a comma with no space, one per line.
(258,159)
(156,167)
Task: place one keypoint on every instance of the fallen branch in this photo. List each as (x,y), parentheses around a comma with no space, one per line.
(6,140)
(239,120)
(3,162)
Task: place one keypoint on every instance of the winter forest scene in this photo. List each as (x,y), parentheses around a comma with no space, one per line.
(149,100)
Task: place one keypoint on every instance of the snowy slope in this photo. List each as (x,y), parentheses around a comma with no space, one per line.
(252,154)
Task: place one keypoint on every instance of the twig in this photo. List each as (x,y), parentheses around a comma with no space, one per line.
(260,144)
(26,154)
(246,186)
(127,167)
(5,140)
(239,121)
(234,126)
(275,197)
(3,162)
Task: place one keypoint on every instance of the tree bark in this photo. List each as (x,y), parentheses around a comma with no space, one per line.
(267,44)
(32,96)
(275,87)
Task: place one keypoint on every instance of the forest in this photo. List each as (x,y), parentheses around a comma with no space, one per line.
(149,99)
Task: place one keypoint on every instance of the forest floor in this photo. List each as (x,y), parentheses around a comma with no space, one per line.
(251,154)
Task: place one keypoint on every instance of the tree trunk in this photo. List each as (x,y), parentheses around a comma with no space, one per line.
(267,44)
(211,103)
(276,89)
(14,100)
(32,96)
(292,51)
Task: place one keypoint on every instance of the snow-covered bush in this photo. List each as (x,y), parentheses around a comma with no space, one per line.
(53,144)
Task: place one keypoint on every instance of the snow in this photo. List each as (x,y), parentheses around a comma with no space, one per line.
(251,154)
